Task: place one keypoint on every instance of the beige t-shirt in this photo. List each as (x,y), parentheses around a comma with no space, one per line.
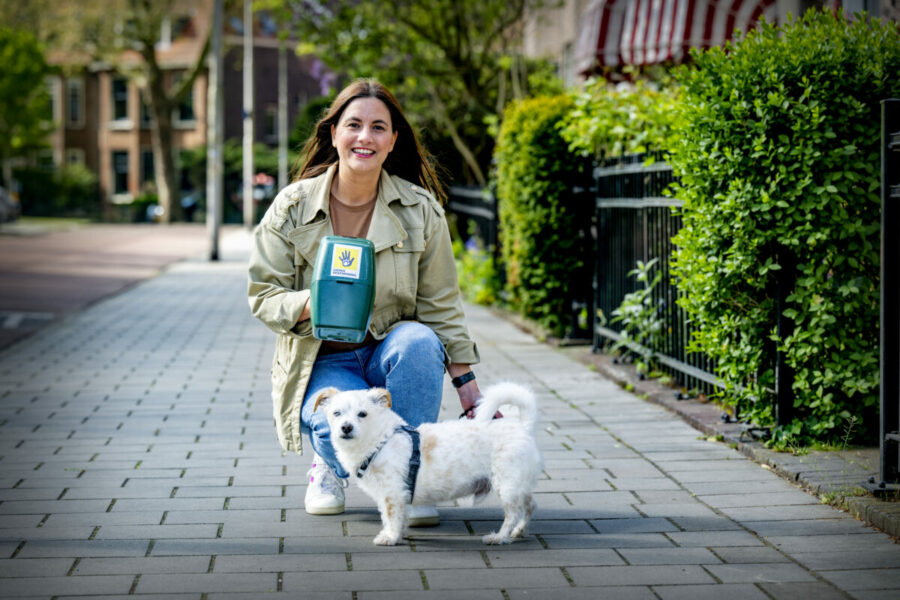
(351,221)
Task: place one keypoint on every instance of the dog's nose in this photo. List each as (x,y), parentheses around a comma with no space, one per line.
(346,428)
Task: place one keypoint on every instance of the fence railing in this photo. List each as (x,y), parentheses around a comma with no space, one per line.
(634,222)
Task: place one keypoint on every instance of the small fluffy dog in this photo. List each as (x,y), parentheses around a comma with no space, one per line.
(452,459)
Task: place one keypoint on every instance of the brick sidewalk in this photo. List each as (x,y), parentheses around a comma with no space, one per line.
(137,457)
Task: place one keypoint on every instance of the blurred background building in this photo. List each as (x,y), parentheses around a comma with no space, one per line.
(584,37)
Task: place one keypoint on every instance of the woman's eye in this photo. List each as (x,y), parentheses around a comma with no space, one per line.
(363,414)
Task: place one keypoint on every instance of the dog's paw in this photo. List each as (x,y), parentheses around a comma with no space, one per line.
(495,539)
(385,539)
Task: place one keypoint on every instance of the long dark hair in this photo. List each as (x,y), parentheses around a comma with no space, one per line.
(409,159)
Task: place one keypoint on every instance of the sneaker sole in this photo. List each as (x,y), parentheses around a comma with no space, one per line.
(325,510)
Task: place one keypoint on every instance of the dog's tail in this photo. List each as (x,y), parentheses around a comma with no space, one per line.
(508,393)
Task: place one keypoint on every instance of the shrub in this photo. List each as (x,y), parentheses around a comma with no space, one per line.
(69,191)
(779,163)
(543,231)
(607,122)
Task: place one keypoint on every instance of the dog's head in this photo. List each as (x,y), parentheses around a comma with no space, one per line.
(357,414)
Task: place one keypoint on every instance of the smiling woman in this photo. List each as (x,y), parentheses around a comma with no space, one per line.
(363,174)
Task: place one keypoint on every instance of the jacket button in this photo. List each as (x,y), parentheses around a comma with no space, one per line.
(399,244)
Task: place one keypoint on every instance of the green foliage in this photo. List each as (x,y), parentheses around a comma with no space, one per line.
(542,230)
(478,277)
(453,64)
(306,121)
(778,159)
(610,121)
(641,324)
(25,117)
(70,191)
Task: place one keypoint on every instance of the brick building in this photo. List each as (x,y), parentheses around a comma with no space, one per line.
(103,122)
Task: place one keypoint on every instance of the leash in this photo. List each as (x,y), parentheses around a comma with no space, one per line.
(415,459)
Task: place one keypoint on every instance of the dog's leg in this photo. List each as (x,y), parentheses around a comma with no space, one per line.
(518,531)
(516,511)
(393,519)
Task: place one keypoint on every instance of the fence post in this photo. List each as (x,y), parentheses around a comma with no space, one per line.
(784,374)
(889,440)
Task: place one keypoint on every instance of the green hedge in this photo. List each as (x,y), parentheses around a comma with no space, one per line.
(607,121)
(778,159)
(69,191)
(542,228)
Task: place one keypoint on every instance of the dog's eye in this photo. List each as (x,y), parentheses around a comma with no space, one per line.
(337,413)
(362,414)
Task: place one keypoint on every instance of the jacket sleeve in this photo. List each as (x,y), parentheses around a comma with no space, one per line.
(273,299)
(438,299)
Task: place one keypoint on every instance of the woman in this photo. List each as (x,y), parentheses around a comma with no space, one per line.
(364,174)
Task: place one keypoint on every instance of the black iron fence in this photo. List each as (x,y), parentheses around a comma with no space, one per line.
(476,214)
(634,222)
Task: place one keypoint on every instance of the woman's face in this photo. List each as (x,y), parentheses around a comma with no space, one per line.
(364,136)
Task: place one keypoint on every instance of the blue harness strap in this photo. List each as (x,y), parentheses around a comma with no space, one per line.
(415,459)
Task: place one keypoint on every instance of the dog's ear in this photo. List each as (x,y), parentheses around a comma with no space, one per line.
(323,396)
(380,396)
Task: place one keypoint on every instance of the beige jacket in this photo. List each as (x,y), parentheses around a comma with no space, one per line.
(415,279)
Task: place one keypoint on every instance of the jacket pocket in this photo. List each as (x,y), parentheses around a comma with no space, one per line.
(406,261)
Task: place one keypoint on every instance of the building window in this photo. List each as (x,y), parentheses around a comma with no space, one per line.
(146,117)
(120,99)
(147,174)
(52,99)
(75,102)
(270,123)
(184,114)
(74,156)
(120,171)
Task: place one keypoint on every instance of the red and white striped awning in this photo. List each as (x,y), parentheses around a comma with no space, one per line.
(645,32)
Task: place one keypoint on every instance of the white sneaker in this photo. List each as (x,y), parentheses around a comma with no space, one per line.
(325,493)
(423,516)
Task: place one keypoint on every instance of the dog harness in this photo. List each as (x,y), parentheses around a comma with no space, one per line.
(414,458)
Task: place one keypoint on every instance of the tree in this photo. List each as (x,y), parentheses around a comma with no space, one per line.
(24,101)
(453,63)
(125,35)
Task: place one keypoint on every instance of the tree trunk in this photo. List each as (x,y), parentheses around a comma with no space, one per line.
(164,168)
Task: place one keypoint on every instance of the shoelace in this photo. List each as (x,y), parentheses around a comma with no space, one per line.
(328,481)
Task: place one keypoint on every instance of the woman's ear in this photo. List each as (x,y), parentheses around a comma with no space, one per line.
(323,396)
(380,396)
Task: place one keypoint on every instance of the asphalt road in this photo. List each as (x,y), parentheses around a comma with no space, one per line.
(48,273)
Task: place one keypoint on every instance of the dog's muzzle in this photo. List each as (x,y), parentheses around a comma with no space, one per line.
(347,431)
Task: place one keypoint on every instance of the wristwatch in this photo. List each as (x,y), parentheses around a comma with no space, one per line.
(463,379)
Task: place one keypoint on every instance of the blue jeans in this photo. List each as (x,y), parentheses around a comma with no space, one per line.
(409,362)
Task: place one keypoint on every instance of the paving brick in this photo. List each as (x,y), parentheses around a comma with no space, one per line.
(639,575)
(512,578)
(207,547)
(669,556)
(432,595)
(760,573)
(156,532)
(864,579)
(709,592)
(222,582)
(817,590)
(86,548)
(26,567)
(864,542)
(142,565)
(749,554)
(624,540)
(585,593)
(236,563)
(23,587)
(297,583)
(375,561)
(639,525)
(707,539)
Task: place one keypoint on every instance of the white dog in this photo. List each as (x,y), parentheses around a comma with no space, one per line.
(452,460)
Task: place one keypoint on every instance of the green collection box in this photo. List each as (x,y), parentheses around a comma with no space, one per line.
(343,289)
